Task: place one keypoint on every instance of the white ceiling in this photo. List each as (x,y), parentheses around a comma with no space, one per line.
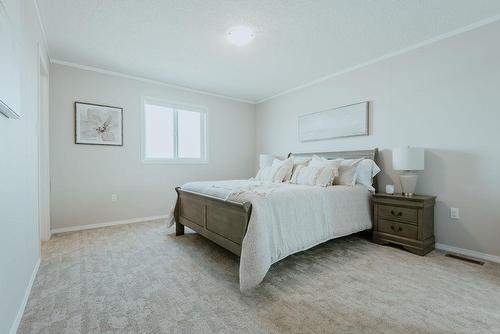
(182,42)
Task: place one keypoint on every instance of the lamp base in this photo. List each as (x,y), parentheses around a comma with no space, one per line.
(408,183)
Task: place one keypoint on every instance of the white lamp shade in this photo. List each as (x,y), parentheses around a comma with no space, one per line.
(266,160)
(408,158)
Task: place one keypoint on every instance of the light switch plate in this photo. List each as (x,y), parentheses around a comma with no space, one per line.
(454,213)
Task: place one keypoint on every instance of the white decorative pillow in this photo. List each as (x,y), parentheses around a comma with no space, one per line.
(306,175)
(267,173)
(322,162)
(330,171)
(296,163)
(348,172)
(326,176)
(284,169)
(367,169)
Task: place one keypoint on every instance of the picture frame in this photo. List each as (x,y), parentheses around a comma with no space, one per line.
(97,124)
(346,121)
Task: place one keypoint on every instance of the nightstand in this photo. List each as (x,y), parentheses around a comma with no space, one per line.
(404,221)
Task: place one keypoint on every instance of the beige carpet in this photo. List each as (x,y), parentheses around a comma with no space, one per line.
(140,278)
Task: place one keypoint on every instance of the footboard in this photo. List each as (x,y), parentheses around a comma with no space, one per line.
(223,222)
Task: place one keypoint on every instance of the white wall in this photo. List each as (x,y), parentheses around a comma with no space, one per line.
(444,97)
(19,238)
(84,176)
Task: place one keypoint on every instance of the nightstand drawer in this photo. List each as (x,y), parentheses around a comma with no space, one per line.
(395,228)
(398,213)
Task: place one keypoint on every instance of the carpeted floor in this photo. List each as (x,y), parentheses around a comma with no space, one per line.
(140,278)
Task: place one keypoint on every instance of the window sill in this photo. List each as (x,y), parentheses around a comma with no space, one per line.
(174,162)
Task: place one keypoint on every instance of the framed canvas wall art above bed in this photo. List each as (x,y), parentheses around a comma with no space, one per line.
(346,121)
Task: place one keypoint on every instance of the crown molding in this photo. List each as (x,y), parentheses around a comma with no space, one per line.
(438,38)
(124,75)
(387,56)
(138,78)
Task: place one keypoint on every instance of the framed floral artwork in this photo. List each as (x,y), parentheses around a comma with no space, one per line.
(97,124)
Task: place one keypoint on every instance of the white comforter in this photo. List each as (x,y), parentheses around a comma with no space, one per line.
(288,218)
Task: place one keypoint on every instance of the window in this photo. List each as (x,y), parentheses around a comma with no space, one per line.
(174,132)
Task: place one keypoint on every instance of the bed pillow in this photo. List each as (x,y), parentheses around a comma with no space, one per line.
(367,169)
(284,168)
(297,162)
(267,173)
(348,172)
(331,169)
(317,161)
(306,175)
(326,176)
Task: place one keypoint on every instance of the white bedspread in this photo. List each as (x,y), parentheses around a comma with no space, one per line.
(288,218)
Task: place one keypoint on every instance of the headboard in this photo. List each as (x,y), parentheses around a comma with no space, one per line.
(367,154)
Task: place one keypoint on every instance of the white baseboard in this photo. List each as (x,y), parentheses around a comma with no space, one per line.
(20,312)
(468,252)
(98,225)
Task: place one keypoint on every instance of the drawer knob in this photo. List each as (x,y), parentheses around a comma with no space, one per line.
(397,214)
(400,229)
(392,227)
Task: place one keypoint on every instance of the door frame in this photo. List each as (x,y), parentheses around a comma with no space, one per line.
(43,152)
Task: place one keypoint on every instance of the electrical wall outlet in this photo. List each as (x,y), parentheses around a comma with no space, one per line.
(114,198)
(454,213)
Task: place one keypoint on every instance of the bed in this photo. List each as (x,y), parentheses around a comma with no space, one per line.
(264,222)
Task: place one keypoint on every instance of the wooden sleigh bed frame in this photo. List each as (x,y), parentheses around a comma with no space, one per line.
(226,222)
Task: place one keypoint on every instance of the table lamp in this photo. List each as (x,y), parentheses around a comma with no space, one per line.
(408,160)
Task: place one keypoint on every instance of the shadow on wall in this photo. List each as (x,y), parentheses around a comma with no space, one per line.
(387,175)
(445,176)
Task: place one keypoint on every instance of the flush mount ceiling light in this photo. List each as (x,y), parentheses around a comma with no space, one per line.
(240,35)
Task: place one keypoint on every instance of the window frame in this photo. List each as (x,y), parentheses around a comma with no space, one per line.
(175,106)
